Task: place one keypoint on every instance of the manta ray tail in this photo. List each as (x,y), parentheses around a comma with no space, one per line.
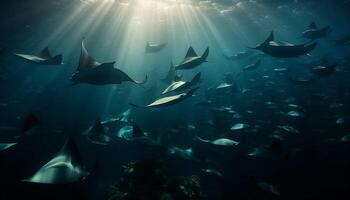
(200,139)
(196,79)
(137,106)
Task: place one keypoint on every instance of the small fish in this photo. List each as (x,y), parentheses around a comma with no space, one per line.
(182,153)
(294,113)
(219,142)
(239,126)
(212,171)
(289,129)
(268,188)
(345,138)
(154,47)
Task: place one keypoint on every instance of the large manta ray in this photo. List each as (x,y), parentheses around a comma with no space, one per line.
(313,32)
(192,60)
(170,100)
(65,167)
(183,85)
(283,49)
(43,58)
(153,47)
(91,72)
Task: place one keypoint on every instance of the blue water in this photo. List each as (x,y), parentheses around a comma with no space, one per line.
(316,164)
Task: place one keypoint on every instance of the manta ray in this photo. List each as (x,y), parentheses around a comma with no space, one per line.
(219,142)
(43,58)
(133,133)
(92,72)
(192,60)
(30,122)
(342,41)
(170,100)
(66,167)
(139,136)
(97,133)
(252,66)
(313,32)
(324,70)
(183,85)
(154,48)
(283,49)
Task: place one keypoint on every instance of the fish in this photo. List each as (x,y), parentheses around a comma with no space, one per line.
(182,153)
(280,49)
(345,138)
(91,72)
(30,122)
(97,134)
(239,126)
(342,41)
(192,60)
(183,85)
(138,136)
(239,55)
(4,146)
(169,100)
(212,172)
(43,58)
(302,80)
(154,47)
(268,187)
(224,86)
(252,66)
(219,142)
(313,32)
(66,167)
(323,71)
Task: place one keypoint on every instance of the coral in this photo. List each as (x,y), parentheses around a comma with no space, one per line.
(148,180)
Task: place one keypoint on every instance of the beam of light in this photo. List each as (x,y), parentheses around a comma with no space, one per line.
(117,30)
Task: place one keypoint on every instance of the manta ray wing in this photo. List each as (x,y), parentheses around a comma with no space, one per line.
(86,61)
(45,53)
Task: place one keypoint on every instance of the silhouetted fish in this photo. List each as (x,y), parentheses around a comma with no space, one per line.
(183,85)
(192,60)
(91,72)
(170,100)
(43,58)
(284,49)
(313,32)
(153,47)
(65,167)
(171,75)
